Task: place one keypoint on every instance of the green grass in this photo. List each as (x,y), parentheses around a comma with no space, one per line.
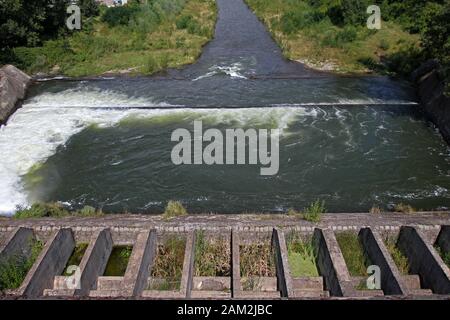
(118,261)
(400,260)
(212,257)
(144,46)
(54,210)
(306,35)
(302,259)
(353,253)
(14,270)
(174,209)
(169,263)
(76,257)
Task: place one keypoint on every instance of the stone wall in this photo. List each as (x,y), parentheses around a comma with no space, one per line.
(435,104)
(13,86)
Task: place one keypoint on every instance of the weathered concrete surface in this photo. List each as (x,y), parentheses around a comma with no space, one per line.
(282,264)
(50,262)
(142,256)
(188,265)
(123,225)
(424,260)
(330,262)
(94,261)
(236,286)
(18,244)
(13,86)
(391,281)
(431,92)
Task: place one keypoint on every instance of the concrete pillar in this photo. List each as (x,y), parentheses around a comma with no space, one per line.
(236,287)
(424,260)
(94,261)
(17,244)
(391,280)
(144,251)
(188,266)
(50,263)
(284,277)
(331,263)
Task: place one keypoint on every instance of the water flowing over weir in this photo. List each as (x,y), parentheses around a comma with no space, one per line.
(351,141)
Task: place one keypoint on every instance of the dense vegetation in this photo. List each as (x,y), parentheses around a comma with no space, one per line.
(138,38)
(326,33)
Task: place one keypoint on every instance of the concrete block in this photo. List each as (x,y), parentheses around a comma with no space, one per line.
(188,265)
(391,281)
(50,262)
(282,264)
(330,262)
(143,255)
(424,260)
(94,260)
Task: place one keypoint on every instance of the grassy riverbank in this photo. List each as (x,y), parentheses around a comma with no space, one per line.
(144,39)
(333,35)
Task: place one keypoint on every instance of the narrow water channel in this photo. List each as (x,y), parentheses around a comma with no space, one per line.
(354,142)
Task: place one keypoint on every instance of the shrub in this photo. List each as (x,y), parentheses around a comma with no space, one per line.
(174,209)
(41,210)
(115,16)
(314,212)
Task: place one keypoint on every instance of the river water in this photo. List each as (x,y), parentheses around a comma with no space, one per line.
(353,142)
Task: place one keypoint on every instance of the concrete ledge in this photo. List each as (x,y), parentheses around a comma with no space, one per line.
(143,254)
(94,261)
(236,286)
(424,260)
(331,263)
(282,263)
(188,265)
(391,281)
(50,262)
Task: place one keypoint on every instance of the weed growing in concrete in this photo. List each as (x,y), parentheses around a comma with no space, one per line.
(399,258)
(404,208)
(353,253)
(375,210)
(14,270)
(169,264)
(174,209)
(212,257)
(314,212)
